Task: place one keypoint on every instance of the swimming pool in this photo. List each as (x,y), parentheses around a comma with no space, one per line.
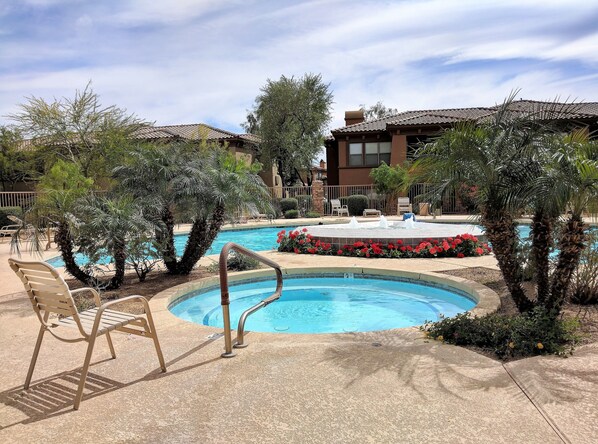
(257,239)
(327,303)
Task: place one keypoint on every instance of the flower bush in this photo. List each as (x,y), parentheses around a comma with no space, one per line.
(462,245)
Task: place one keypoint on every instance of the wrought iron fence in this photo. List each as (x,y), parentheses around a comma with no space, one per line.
(449,202)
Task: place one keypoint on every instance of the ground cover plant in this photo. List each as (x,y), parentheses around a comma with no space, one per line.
(463,245)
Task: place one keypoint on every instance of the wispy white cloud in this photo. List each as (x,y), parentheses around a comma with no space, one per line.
(205,60)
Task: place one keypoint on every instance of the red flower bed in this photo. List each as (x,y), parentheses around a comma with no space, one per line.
(462,245)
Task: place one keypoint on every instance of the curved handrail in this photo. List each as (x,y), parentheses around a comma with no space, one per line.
(225,299)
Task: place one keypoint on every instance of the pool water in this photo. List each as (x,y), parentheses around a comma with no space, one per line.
(327,305)
(257,239)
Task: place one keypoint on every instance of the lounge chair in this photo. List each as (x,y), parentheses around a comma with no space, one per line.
(404,206)
(338,208)
(49,294)
(7,231)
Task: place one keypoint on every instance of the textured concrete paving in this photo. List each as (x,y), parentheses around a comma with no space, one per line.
(391,386)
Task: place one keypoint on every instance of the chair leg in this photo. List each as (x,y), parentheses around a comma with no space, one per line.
(38,345)
(109,339)
(154,336)
(84,370)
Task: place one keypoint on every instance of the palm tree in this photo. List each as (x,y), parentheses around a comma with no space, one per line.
(495,155)
(200,184)
(575,167)
(106,225)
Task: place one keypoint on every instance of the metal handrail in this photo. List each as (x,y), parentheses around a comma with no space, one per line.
(225,300)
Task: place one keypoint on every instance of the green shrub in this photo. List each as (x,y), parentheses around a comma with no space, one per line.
(525,334)
(9,211)
(291,214)
(304,201)
(236,262)
(240,262)
(357,204)
(289,203)
(312,215)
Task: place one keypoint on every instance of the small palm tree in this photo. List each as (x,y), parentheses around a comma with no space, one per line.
(194,183)
(106,226)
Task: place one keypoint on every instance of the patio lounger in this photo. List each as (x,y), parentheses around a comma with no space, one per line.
(49,294)
(371,212)
(7,231)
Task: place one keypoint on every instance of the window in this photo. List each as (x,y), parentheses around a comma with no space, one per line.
(369,153)
(355,157)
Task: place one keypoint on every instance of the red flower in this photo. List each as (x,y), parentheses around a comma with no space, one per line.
(433,250)
(460,255)
(339,252)
(358,244)
(445,245)
(479,251)
(301,241)
(296,250)
(304,230)
(311,250)
(399,242)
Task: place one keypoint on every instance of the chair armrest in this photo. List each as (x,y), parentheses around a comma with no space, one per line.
(136,297)
(10,227)
(93,291)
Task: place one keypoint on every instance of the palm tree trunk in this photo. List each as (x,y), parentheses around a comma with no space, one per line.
(570,245)
(200,239)
(120,258)
(166,241)
(502,233)
(65,245)
(541,230)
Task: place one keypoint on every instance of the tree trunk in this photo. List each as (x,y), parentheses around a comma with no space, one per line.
(65,245)
(570,245)
(541,230)
(120,259)
(200,239)
(502,233)
(166,242)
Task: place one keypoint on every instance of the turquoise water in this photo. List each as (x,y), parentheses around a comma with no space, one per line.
(257,239)
(327,305)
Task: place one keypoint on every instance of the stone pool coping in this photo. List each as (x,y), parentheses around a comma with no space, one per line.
(487,300)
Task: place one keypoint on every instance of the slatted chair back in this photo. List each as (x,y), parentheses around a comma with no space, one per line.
(47,291)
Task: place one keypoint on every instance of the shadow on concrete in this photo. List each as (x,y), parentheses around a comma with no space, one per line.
(54,395)
(424,366)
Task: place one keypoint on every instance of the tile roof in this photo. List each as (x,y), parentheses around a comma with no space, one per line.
(553,110)
(195,131)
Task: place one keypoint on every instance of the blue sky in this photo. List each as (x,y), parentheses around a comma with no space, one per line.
(188,61)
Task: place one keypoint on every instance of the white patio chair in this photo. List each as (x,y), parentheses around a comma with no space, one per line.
(404,206)
(338,208)
(49,294)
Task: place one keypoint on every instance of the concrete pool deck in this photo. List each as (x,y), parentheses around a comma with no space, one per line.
(391,386)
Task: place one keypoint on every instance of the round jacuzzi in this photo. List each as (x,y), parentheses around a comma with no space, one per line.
(327,303)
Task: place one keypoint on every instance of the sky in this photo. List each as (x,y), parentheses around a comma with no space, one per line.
(191,61)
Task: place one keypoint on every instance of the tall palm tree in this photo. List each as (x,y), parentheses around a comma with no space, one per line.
(495,155)
(575,166)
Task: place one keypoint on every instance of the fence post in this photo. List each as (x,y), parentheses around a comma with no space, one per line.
(317,196)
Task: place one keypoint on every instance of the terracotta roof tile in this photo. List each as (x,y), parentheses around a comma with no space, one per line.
(453,115)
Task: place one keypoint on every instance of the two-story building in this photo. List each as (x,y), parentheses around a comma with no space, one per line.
(356,148)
